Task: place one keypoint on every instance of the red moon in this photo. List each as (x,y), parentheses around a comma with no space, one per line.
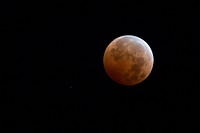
(128,60)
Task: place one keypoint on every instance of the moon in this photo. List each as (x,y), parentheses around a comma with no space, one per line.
(128,60)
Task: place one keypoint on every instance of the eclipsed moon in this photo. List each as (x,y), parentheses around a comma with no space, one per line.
(128,60)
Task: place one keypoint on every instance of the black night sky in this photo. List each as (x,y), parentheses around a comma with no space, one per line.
(56,82)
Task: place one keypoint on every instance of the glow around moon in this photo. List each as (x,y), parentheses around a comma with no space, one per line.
(128,60)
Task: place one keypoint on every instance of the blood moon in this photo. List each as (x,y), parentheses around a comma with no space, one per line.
(128,60)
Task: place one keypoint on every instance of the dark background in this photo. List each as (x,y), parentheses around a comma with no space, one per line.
(53,75)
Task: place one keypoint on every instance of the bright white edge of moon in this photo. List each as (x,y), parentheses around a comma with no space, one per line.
(139,41)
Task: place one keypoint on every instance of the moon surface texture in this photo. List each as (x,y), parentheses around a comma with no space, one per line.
(128,60)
